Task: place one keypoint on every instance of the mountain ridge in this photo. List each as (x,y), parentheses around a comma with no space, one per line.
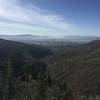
(29,38)
(78,66)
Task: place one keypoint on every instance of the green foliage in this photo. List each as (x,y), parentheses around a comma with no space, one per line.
(78,66)
(23,76)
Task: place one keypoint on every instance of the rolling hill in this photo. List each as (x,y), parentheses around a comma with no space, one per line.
(78,66)
(23,58)
(8,47)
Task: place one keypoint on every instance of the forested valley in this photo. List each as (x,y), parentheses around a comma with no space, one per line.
(55,72)
(24,76)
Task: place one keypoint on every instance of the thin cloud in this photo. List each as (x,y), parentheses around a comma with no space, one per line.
(13,11)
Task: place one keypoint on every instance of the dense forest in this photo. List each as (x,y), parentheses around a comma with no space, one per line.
(24,76)
(78,67)
(56,72)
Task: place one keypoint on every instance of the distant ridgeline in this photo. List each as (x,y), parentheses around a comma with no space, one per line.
(23,76)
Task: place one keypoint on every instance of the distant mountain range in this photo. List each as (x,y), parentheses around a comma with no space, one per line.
(45,40)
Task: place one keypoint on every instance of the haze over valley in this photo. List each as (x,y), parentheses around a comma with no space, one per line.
(50,40)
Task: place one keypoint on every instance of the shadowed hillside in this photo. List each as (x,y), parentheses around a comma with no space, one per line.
(10,48)
(78,66)
(23,76)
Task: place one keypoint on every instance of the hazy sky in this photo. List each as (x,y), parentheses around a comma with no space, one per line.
(50,17)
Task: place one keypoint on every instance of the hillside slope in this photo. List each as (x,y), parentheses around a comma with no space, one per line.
(8,48)
(78,66)
(23,58)
(23,76)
